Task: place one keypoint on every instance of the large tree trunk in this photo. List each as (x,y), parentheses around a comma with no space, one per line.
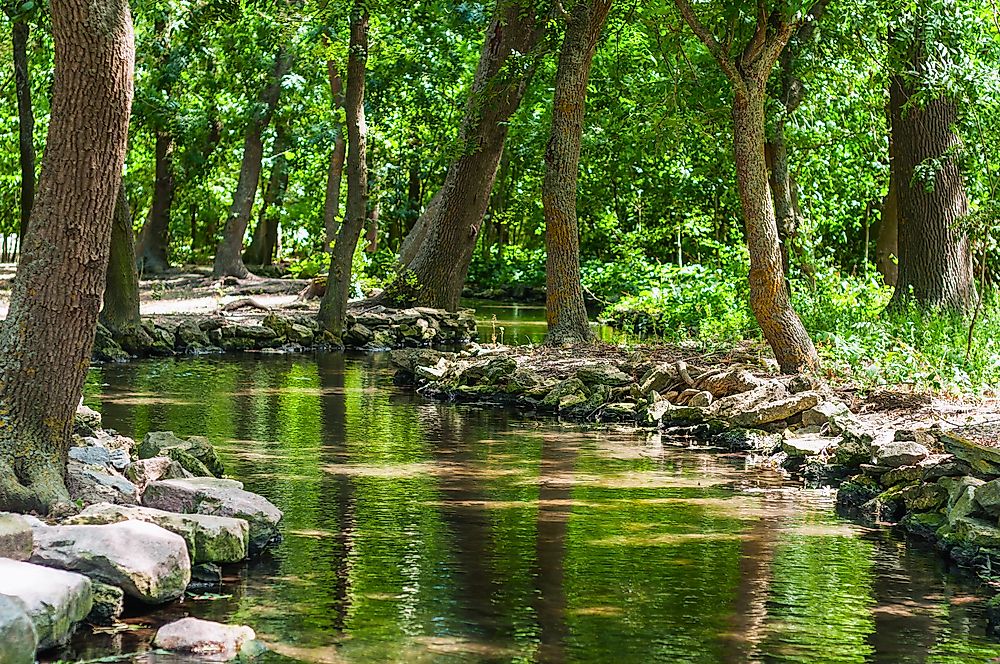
(565,310)
(265,235)
(333,307)
(793,349)
(25,121)
(46,340)
(229,254)
(935,260)
(440,261)
(154,238)
(120,313)
(331,206)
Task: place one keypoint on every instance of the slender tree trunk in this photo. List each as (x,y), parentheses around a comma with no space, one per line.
(440,261)
(935,259)
(46,340)
(333,307)
(331,206)
(886,244)
(25,121)
(261,249)
(120,313)
(154,238)
(229,253)
(565,310)
(371,236)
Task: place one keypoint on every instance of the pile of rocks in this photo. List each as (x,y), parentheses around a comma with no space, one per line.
(374,328)
(148,527)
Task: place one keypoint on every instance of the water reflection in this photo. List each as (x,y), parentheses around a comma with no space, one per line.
(420,532)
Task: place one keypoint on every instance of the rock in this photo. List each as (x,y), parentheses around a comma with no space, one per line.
(701,399)
(728,383)
(300,334)
(205,638)
(146,561)
(855,448)
(603,374)
(799,447)
(961,496)
(899,453)
(824,412)
(658,379)
(857,491)
(219,498)
(984,460)
(160,443)
(619,412)
(188,462)
(106,349)
(937,466)
(565,388)
(209,538)
(91,456)
(92,484)
(109,603)
(144,471)
(16,539)
(18,638)
(774,411)
(970,531)
(749,440)
(190,336)
(205,576)
(55,600)
(667,414)
(902,475)
(86,419)
(924,497)
(988,496)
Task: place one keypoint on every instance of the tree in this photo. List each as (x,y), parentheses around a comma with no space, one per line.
(331,203)
(935,259)
(20,33)
(445,235)
(265,235)
(47,337)
(748,73)
(120,313)
(333,307)
(229,253)
(565,310)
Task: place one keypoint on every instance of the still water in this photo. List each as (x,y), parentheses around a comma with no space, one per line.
(421,532)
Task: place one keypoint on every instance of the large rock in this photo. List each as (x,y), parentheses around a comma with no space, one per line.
(160,443)
(15,537)
(109,604)
(774,411)
(984,460)
(55,600)
(824,412)
(18,638)
(970,531)
(147,562)
(220,643)
(86,419)
(215,539)
(90,484)
(988,496)
(217,497)
(144,471)
(603,374)
(800,446)
(894,454)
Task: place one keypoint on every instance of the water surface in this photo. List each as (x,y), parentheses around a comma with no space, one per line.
(423,532)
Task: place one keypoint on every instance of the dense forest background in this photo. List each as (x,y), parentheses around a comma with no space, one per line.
(663,251)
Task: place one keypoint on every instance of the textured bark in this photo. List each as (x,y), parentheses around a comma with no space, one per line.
(440,262)
(331,205)
(265,235)
(229,253)
(935,259)
(25,121)
(120,312)
(154,239)
(46,340)
(333,307)
(565,310)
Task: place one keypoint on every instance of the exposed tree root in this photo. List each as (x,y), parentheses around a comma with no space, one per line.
(37,487)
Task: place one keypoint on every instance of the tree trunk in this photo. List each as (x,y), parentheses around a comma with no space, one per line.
(265,235)
(229,253)
(154,238)
(793,349)
(46,340)
(440,262)
(120,312)
(25,121)
(935,260)
(565,310)
(331,206)
(886,244)
(333,307)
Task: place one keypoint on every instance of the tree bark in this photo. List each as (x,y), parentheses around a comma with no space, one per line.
(154,238)
(935,259)
(265,235)
(229,253)
(565,309)
(120,313)
(25,121)
(886,244)
(46,340)
(333,307)
(440,262)
(331,206)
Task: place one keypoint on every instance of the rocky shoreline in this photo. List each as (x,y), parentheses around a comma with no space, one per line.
(150,522)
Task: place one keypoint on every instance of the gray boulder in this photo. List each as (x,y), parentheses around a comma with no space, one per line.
(54,600)
(798,447)
(824,412)
(16,539)
(603,374)
(161,443)
(984,460)
(18,638)
(202,495)
(109,603)
(209,538)
(988,496)
(147,562)
(961,496)
(144,471)
(205,638)
(93,484)
(775,411)
(894,454)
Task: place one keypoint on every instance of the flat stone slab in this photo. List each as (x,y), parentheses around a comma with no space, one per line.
(205,495)
(204,638)
(147,562)
(806,445)
(55,600)
(16,539)
(18,638)
(210,539)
